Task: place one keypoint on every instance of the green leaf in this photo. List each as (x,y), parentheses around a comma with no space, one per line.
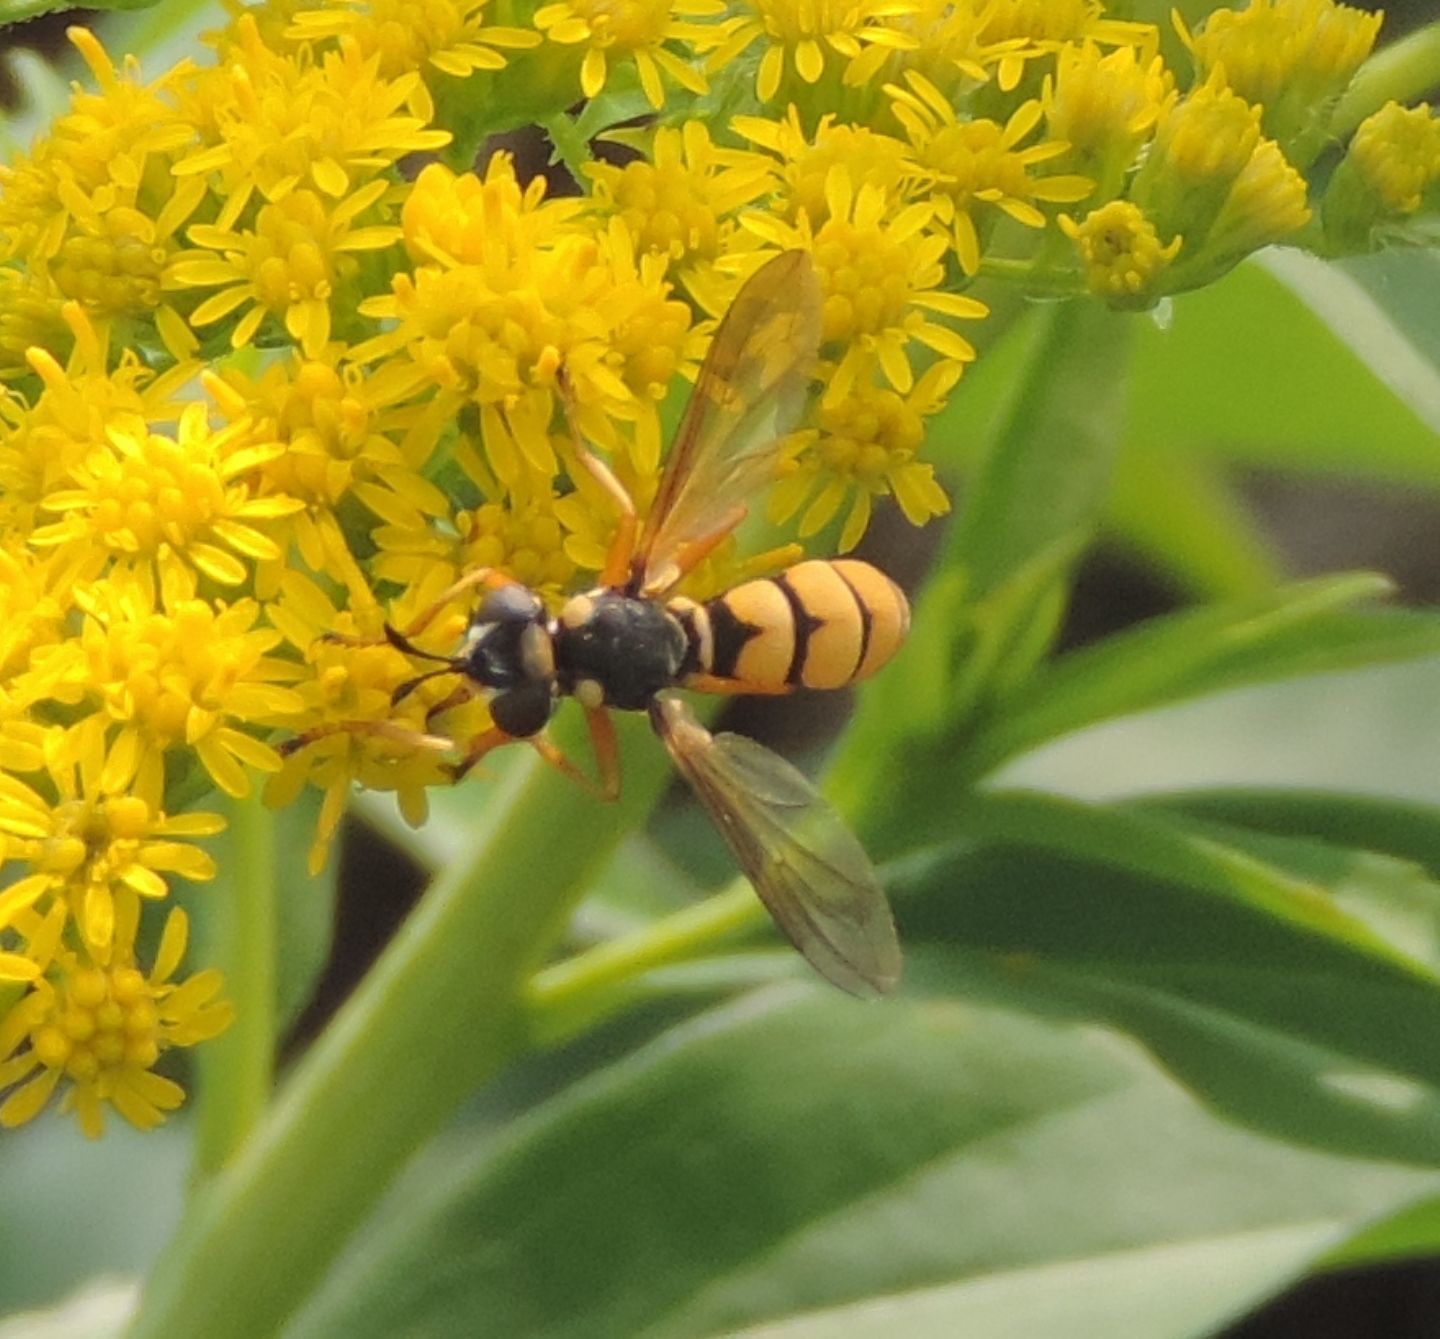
(1094,1298)
(797,1151)
(1178,511)
(1377,859)
(1333,373)
(1298,629)
(1251,984)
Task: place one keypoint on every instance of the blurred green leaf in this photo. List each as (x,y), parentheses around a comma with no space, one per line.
(1413,1231)
(796,1150)
(1094,1298)
(1298,629)
(1305,1024)
(1047,472)
(1177,510)
(1336,370)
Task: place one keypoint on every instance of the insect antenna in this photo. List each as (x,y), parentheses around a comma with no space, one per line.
(401,642)
(402,691)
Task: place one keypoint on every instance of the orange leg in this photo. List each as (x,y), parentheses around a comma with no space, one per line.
(607,751)
(485,742)
(622,548)
(391,730)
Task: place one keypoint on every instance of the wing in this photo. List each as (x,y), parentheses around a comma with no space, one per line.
(749,394)
(810,871)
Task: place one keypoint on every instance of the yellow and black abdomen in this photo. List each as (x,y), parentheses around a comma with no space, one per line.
(819,624)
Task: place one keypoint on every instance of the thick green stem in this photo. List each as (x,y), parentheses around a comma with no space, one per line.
(575,994)
(237,1069)
(1397,73)
(439,1015)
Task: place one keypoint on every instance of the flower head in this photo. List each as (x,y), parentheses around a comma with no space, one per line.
(1121,254)
(979,164)
(97,1030)
(865,446)
(1290,57)
(809,37)
(641,31)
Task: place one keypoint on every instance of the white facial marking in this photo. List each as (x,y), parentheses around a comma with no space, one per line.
(588,693)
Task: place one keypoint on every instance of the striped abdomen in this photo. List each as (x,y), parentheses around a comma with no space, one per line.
(818,624)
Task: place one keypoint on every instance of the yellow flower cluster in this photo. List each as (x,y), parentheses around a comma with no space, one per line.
(275,370)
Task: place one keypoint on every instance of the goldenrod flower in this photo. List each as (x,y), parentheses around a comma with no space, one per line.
(809,35)
(635,30)
(865,444)
(406,35)
(1201,145)
(147,500)
(1266,204)
(270,124)
(151,676)
(680,200)
(95,207)
(1104,105)
(97,851)
(1036,28)
(1291,57)
(100,1029)
(344,685)
(975,164)
(804,162)
(337,429)
(1392,164)
(293,264)
(950,48)
(77,409)
(30,318)
(880,276)
(1121,253)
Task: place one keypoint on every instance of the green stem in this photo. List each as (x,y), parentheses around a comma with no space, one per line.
(237,1070)
(1036,279)
(1396,73)
(438,1015)
(572,995)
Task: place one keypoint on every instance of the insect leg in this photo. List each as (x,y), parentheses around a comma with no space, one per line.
(607,751)
(622,548)
(392,730)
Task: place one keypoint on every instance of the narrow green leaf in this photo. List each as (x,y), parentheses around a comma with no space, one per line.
(1167,847)
(1282,1016)
(1299,629)
(798,1151)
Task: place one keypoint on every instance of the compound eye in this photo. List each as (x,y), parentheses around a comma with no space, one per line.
(523,711)
(509,604)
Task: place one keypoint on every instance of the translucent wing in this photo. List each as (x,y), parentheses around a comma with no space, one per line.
(809,869)
(749,394)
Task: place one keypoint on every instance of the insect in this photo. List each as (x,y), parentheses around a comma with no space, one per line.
(819,624)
